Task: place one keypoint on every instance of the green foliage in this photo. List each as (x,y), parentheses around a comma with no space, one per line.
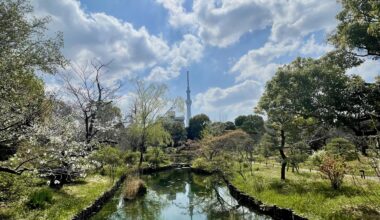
(230,125)
(108,157)
(156,135)
(40,198)
(176,130)
(311,196)
(253,125)
(315,160)
(202,163)
(131,157)
(298,153)
(11,187)
(155,156)
(267,146)
(24,49)
(359,27)
(196,126)
(343,148)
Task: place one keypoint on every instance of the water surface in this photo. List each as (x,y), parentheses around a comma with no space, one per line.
(179,194)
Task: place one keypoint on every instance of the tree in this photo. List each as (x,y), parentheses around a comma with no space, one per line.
(267,145)
(240,120)
(230,125)
(24,49)
(196,126)
(319,91)
(110,124)
(359,28)
(176,129)
(109,157)
(252,124)
(343,148)
(55,150)
(148,107)
(91,96)
(334,168)
(216,149)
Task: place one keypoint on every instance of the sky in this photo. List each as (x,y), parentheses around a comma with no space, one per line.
(230,47)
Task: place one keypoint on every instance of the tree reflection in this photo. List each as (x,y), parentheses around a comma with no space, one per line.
(181,194)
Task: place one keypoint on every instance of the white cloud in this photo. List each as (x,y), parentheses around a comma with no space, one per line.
(181,55)
(258,63)
(178,16)
(368,70)
(222,22)
(100,36)
(298,18)
(230,102)
(311,47)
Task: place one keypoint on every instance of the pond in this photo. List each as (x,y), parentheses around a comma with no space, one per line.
(179,194)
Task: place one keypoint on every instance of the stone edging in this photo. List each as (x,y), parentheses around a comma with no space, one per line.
(242,198)
(98,203)
(252,203)
(106,196)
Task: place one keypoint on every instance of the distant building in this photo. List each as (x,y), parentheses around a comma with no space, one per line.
(172,116)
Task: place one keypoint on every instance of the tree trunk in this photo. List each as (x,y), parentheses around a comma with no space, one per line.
(141,158)
(283,169)
(283,156)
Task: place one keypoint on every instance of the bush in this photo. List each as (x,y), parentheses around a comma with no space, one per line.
(334,168)
(202,163)
(40,198)
(155,156)
(131,157)
(343,148)
(109,157)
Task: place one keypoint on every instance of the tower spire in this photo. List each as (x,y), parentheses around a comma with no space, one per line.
(188,100)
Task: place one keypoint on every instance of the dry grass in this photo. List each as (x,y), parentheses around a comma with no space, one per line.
(133,188)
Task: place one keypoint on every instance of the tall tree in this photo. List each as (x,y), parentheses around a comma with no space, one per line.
(149,105)
(24,49)
(252,124)
(92,95)
(359,27)
(196,126)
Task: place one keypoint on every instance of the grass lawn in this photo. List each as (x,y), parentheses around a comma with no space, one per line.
(66,202)
(310,195)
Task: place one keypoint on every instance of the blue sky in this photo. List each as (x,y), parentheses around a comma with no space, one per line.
(230,47)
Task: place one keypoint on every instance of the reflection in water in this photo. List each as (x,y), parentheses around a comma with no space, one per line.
(179,194)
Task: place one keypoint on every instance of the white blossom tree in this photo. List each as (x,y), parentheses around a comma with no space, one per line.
(90,96)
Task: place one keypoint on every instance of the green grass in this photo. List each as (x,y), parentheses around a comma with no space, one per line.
(67,201)
(310,195)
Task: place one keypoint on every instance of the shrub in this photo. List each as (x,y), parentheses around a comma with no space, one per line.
(334,168)
(109,157)
(40,198)
(131,157)
(134,188)
(343,148)
(201,163)
(155,156)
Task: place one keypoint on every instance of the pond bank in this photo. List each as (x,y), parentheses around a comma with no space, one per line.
(241,197)
(252,203)
(106,196)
